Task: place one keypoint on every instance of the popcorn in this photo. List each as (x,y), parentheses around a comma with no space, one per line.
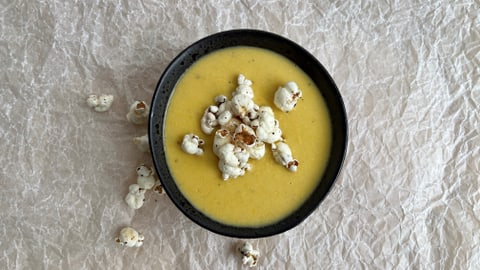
(209,119)
(265,117)
(257,151)
(135,197)
(145,177)
(232,125)
(219,100)
(244,87)
(233,160)
(286,97)
(249,255)
(129,237)
(142,143)
(252,115)
(224,117)
(283,155)
(268,128)
(243,130)
(191,144)
(138,113)
(222,137)
(158,188)
(244,136)
(227,154)
(243,156)
(241,104)
(229,171)
(100,103)
(146,180)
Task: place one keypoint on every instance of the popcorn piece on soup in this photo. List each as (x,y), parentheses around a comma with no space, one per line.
(222,103)
(269,135)
(242,98)
(249,255)
(244,86)
(227,154)
(191,144)
(229,171)
(135,197)
(138,113)
(268,128)
(283,155)
(209,119)
(243,156)
(129,237)
(100,103)
(257,151)
(266,117)
(220,99)
(232,125)
(251,116)
(145,177)
(233,161)
(286,97)
(224,117)
(142,143)
(244,136)
(241,105)
(222,137)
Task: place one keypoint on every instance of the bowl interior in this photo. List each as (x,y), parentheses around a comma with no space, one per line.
(308,64)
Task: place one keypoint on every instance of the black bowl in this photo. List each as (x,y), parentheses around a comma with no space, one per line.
(308,64)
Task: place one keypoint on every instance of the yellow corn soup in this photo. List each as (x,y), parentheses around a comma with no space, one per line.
(269,191)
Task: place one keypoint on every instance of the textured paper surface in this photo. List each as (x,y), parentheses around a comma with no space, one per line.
(408,195)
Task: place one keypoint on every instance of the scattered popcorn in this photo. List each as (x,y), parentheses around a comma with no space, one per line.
(135,196)
(283,155)
(138,113)
(142,143)
(286,97)
(191,144)
(145,177)
(101,103)
(129,237)
(158,188)
(249,255)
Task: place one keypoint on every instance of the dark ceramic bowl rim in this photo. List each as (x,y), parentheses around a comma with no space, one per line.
(298,55)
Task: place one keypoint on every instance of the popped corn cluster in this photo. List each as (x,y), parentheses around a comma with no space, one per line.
(249,254)
(100,103)
(146,180)
(138,113)
(242,129)
(129,237)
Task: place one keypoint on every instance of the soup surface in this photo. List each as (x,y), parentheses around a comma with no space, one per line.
(269,191)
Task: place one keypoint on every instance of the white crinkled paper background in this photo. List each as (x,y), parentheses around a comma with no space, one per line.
(408,196)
